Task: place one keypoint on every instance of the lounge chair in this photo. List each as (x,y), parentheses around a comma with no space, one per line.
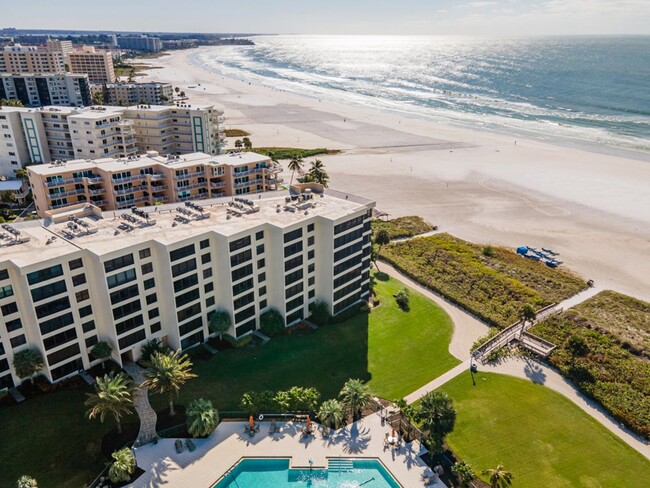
(179,446)
(190,445)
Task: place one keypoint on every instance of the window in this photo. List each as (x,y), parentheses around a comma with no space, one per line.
(121,278)
(240,243)
(91,341)
(292,249)
(209,302)
(296,302)
(347,251)
(311,268)
(186,282)
(18,341)
(44,274)
(261,263)
(124,294)
(52,307)
(85,311)
(13,325)
(259,235)
(6,291)
(56,323)
(260,249)
(150,283)
(293,277)
(348,225)
(208,287)
(9,308)
(147,268)
(153,313)
(244,314)
(207,273)
(156,327)
(205,258)
(118,263)
(242,272)
(311,240)
(244,300)
(187,297)
(345,265)
(127,309)
(145,253)
(182,252)
(347,238)
(310,228)
(262,304)
(129,324)
(152,299)
(60,338)
(242,287)
(188,312)
(47,291)
(293,235)
(184,267)
(240,258)
(204,243)
(4,274)
(261,277)
(311,294)
(79,279)
(192,340)
(88,326)
(75,264)
(293,290)
(82,295)
(131,339)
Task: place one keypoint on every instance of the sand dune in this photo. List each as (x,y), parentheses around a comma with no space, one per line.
(591,205)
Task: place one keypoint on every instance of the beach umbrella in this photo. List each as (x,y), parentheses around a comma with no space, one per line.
(308,423)
(251,422)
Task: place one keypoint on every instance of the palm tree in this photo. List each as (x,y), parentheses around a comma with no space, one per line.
(22,174)
(202,418)
(577,346)
(318,174)
(464,474)
(247,143)
(499,477)
(355,395)
(438,416)
(10,103)
(382,238)
(27,363)
(238,144)
(123,466)
(167,373)
(527,313)
(102,350)
(331,414)
(113,396)
(295,164)
(26,481)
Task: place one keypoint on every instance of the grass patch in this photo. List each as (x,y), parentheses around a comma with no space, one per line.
(133,69)
(494,288)
(400,227)
(395,351)
(538,435)
(290,152)
(236,133)
(609,372)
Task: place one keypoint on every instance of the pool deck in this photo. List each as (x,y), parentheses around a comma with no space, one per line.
(215,455)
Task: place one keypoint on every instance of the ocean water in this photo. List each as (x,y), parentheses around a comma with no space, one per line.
(587,89)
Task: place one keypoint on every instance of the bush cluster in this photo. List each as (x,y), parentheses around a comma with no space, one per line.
(402,226)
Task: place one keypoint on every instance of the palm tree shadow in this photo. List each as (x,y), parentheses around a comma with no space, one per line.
(381,276)
(354,440)
(534,371)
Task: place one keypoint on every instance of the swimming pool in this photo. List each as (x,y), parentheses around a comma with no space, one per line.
(275,473)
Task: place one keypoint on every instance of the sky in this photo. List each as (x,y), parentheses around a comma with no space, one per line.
(399,17)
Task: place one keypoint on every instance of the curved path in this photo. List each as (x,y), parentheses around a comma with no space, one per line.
(467,329)
(141,403)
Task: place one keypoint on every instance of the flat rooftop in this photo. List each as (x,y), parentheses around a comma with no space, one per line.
(105,232)
(146,160)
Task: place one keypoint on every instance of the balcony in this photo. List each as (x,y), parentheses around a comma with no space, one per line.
(190,187)
(63,182)
(99,203)
(244,184)
(70,193)
(133,189)
(97,191)
(158,187)
(156,176)
(130,203)
(160,199)
(189,175)
(219,184)
(125,179)
(90,180)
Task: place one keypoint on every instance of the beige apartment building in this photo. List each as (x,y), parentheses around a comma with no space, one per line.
(152,93)
(65,133)
(149,179)
(31,59)
(81,275)
(59,45)
(98,65)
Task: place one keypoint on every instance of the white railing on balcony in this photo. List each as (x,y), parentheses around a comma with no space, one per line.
(63,182)
(132,189)
(54,196)
(124,179)
(219,184)
(189,175)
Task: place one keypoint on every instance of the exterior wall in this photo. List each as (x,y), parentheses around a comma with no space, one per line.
(97,65)
(101,137)
(13,146)
(35,136)
(23,59)
(128,94)
(47,89)
(140,43)
(169,291)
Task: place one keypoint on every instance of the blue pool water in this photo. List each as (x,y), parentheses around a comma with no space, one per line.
(275,473)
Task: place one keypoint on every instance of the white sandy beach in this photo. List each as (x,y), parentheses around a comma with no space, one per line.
(593,208)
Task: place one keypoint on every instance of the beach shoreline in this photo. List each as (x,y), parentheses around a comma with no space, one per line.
(591,206)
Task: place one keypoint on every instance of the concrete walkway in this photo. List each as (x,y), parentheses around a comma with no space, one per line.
(215,455)
(438,382)
(467,329)
(142,406)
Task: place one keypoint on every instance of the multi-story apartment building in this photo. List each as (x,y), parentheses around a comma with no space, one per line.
(13,144)
(152,93)
(83,276)
(140,43)
(63,133)
(149,179)
(31,59)
(59,45)
(98,65)
(177,129)
(36,90)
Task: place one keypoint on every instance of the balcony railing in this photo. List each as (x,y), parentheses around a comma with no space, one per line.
(93,179)
(189,175)
(63,182)
(158,187)
(132,189)
(160,199)
(125,179)
(70,193)
(156,176)
(219,184)
(130,203)
(244,184)
(99,202)
(97,191)
(190,187)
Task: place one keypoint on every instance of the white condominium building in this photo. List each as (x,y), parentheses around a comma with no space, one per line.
(152,93)
(82,276)
(64,133)
(149,179)
(31,59)
(98,65)
(36,90)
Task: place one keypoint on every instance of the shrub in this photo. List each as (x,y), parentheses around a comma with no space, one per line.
(403,299)
(123,466)
(149,348)
(202,418)
(272,323)
(320,313)
(488,251)
(220,322)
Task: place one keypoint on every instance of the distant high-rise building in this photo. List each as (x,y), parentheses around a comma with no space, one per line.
(58,45)
(36,90)
(135,93)
(98,65)
(31,59)
(140,43)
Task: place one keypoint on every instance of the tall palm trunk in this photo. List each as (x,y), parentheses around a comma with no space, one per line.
(171,407)
(119,425)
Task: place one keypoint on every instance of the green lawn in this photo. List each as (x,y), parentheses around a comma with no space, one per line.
(397,352)
(538,435)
